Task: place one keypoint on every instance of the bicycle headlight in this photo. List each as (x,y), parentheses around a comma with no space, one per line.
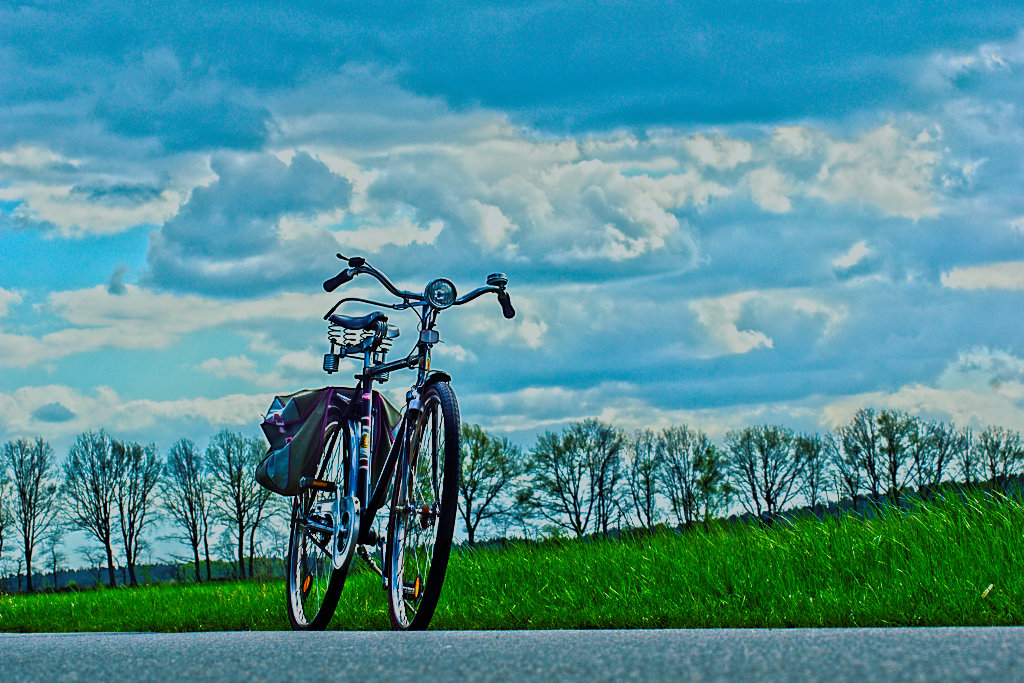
(440,293)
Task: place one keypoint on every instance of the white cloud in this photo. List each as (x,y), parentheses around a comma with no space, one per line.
(855,255)
(719,152)
(7,299)
(794,141)
(32,157)
(979,387)
(491,225)
(141,319)
(534,409)
(884,169)
(719,316)
(778,308)
(769,189)
(103,408)
(975,408)
(1007,275)
(235,366)
(371,239)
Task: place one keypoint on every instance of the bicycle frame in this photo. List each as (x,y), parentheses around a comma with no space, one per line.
(343,500)
(359,465)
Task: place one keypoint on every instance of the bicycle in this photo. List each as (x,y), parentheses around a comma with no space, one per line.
(335,513)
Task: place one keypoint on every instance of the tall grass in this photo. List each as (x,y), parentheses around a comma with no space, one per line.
(956,561)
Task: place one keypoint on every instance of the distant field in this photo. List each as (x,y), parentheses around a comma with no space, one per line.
(955,562)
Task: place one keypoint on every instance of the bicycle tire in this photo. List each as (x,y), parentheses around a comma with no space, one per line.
(427,471)
(312,585)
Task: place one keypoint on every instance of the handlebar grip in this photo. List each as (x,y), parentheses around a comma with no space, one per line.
(338,280)
(506,305)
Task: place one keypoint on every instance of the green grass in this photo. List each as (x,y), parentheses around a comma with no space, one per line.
(927,568)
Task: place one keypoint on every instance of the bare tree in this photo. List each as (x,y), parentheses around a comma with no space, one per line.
(1000,452)
(968,461)
(91,477)
(265,505)
(563,489)
(894,433)
(643,464)
(859,441)
(138,472)
(713,487)
(933,446)
(604,445)
(6,517)
(32,469)
(185,496)
(764,467)
(232,461)
(680,450)
(817,453)
(490,469)
(848,476)
(52,542)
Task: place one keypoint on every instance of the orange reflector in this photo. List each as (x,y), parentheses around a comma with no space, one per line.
(416,589)
(305,585)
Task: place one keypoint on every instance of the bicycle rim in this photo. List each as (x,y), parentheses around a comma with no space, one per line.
(313,585)
(423,512)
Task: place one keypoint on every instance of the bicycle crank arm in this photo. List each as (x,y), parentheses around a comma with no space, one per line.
(346,523)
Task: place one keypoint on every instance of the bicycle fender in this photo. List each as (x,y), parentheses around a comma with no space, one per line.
(434,377)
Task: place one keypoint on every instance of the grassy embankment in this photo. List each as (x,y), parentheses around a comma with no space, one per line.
(931,567)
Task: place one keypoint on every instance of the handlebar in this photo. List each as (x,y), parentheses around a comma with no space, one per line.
(506,305)
(338,280)
(358,265)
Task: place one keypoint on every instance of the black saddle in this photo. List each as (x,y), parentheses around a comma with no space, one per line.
(362,323)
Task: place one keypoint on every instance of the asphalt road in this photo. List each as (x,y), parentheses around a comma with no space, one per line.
(791,654)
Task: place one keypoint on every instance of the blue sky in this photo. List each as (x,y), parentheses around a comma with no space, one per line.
(719,215)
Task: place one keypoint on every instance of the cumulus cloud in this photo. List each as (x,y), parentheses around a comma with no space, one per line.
(769,189)
(719,152)
(60,412)
(228,236)
(883,168)
(719,316)
(96,319)
(7,299)
(1007,275)
(855,255)
(745,321)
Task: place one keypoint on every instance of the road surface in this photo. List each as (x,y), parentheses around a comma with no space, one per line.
(732,654)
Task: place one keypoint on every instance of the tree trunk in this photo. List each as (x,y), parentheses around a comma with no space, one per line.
(110,565)
(195,553)
(206,549)
(28,570)
(241,551)
(252,549)
(131,574)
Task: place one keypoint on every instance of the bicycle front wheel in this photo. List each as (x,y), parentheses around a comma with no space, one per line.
(313,585)
(423,507)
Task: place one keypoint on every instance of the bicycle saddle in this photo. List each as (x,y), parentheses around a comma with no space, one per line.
(362,323)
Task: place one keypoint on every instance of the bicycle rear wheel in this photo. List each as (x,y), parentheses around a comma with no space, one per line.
(313,585)
(423,507)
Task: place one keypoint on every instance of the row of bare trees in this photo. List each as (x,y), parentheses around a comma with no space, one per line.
(115,490)
(591,476)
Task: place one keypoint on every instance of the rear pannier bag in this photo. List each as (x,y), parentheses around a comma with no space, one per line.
(294,426)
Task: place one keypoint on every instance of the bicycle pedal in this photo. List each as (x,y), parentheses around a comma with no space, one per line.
(412,589)
(317,484)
